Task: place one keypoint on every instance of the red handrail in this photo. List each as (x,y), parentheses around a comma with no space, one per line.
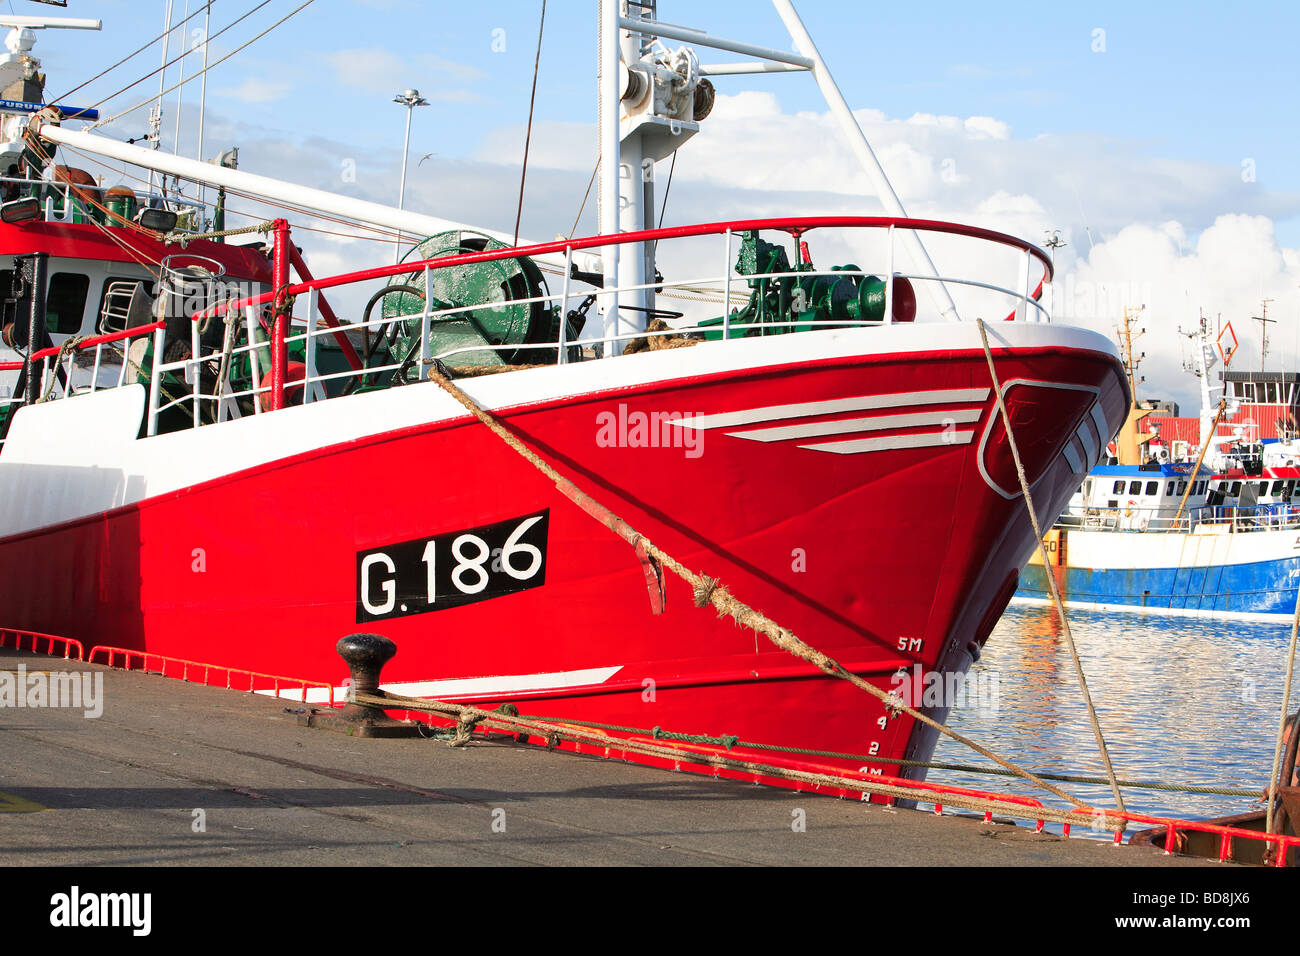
(100,340)
(37,636)
(796,227)
(111,654)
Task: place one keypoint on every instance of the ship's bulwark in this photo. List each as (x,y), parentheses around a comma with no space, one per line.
(888,556)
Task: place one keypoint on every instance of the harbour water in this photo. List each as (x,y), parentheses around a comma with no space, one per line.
(1181,700)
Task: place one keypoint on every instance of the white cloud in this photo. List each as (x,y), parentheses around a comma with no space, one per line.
(987,126)
(256,90)
(379,70)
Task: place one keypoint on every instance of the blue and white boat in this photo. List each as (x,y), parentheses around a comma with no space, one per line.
(1123,545)
(1182,538)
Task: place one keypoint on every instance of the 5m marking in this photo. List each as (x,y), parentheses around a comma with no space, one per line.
(452,569)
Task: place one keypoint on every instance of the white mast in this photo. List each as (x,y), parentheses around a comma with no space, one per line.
(632,207)
(608,196)
(203,86)
(155,114)
(180,90)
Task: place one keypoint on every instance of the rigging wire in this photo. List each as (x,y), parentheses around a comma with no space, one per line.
(237,49)
(528,136)
(663,206)
(134,53)
(590,182)
(168,63)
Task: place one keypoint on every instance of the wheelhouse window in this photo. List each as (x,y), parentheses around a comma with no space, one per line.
(1278,486)
(65,304)
(1182,488)
(1118,489)
(1135,487)
(1153,488)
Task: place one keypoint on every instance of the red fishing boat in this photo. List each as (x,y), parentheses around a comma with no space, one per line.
(202,460)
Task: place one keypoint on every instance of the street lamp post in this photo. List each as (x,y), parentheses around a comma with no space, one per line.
(410,99)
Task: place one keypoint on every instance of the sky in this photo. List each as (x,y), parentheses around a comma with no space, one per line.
(1161,142)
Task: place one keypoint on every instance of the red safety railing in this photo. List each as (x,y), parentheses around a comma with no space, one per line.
(87,344)
(10,637)
(1281,842)
(95,340)
(286,256)
(794,226)
(198,672)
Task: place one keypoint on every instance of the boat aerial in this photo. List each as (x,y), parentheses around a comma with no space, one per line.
(203,460)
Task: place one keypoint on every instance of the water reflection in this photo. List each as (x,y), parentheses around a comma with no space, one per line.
(1181,700)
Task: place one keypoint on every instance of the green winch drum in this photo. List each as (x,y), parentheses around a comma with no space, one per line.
(120,202)
(861,297)
(493,316)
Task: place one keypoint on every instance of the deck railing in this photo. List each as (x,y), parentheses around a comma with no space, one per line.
(711,297)
(1199,519)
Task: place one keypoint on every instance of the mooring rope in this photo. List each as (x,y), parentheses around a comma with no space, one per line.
(557,730)
(1047,568)
(730,742)
(709,591)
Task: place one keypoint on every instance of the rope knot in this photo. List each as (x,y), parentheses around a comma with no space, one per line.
(704,591)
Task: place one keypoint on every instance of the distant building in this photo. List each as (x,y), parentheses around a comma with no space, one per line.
(1268,404)
(1159,407)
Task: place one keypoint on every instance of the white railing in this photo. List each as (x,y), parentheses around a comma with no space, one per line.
(215,383)
(1207,519)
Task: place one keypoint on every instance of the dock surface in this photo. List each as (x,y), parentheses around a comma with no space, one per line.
(176,774)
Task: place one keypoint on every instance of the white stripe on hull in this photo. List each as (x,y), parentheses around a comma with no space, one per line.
(860,403)
(469,686)
(846,426)
(859,446)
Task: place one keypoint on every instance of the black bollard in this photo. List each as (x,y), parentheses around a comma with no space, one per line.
(366,655)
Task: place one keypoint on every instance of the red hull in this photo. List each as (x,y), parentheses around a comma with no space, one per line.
(856,553)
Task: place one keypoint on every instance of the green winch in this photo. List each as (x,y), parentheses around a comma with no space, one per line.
(783,300)
(492,316)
